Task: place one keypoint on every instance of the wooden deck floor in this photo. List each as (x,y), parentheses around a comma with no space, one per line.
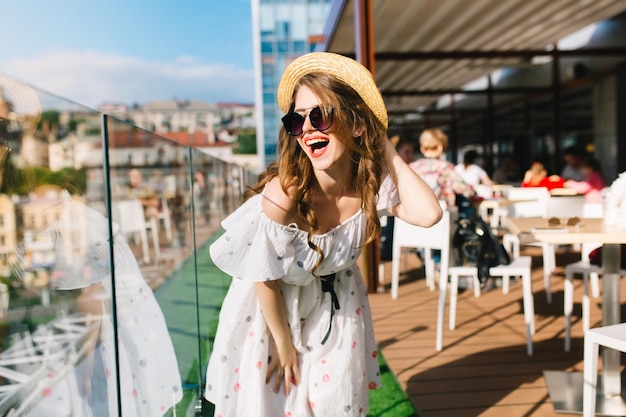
(483,369)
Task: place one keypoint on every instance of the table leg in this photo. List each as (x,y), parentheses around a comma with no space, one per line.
(611,380)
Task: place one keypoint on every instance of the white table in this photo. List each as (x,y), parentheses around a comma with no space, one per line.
(566,387)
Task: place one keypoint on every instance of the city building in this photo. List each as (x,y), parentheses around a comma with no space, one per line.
(282,31)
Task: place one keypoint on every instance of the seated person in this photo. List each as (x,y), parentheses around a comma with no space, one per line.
(537,176)
(593,183)
(574,158)
(508,171)
(438,173)
(470,171)
(138,188)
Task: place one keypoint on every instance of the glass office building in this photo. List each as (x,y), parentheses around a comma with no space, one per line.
(283,30)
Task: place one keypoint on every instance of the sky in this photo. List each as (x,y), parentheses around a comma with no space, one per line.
(130,51)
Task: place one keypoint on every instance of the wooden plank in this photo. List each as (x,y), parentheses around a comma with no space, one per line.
(483,369)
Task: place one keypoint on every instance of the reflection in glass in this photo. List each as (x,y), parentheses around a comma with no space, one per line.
(75,351)
(57,350)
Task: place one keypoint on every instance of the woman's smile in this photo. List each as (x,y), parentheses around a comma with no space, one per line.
(317,146)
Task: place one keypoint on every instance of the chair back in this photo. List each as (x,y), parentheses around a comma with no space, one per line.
(533,201)
(129,215)
(434,237)
(594,211)
(566,206)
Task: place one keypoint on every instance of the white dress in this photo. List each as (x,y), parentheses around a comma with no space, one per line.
(334,337)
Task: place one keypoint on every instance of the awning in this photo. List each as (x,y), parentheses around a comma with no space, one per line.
(426,48)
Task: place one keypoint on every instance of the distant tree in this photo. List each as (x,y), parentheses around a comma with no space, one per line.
(23,181)
(246,143)
(73,124)
(93,131)
(52,117)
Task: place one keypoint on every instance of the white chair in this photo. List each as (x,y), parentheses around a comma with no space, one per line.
(488,211)
(455,273)
(590,274)
(588,271)
(528,202)
(129,215)
(563,206)
(611,337)
(513,242)
(533,202)
(519,266)
(406,235)
(164,216)
(439,237)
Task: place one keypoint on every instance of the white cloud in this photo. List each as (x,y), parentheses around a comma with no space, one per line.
(92,78)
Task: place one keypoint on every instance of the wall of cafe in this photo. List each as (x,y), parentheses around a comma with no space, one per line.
(605,105)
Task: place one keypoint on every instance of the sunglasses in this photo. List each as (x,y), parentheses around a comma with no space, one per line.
(555,221)
(320,118)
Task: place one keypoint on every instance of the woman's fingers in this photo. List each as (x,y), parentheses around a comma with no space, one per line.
(280,377)
(272,367)
(285,376)
(295,378)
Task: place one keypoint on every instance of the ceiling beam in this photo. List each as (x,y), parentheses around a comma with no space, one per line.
(529,53)
(443,92)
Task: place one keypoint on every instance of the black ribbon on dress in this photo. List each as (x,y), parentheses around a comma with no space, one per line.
(328,286)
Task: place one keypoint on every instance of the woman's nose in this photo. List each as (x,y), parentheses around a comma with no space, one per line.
(307,126)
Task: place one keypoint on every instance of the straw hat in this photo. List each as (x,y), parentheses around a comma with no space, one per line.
(346,69)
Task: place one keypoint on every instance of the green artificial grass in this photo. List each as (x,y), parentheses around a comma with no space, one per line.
(389,400)
(177,299)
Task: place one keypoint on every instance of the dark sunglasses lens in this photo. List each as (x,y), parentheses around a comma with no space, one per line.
(319,120)
(293,123)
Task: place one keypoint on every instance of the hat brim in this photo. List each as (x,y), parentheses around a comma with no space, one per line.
(346,69)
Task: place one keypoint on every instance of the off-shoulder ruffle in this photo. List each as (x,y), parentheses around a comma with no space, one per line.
(256,248)
(253,247)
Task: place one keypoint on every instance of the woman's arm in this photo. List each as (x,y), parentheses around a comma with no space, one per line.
(285,358)
(418,204)
(581,187)
(484,177)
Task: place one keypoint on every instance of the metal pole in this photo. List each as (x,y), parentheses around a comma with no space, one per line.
(364,42)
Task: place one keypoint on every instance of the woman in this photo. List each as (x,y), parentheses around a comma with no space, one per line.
(471,172)
(295,335)
(537,176)
(593,184)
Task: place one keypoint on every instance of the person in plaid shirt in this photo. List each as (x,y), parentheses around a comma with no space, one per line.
(438,173)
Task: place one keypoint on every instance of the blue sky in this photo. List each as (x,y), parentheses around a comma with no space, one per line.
(130,51)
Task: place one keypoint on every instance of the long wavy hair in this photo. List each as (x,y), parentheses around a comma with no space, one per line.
(367,151)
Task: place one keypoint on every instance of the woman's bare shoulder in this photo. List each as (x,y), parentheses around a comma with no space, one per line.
(276,203)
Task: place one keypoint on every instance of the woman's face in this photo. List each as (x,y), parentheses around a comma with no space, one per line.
(324,149)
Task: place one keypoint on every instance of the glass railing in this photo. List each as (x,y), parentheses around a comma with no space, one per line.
(108,297)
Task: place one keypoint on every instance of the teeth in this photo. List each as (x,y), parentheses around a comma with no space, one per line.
(315,141)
